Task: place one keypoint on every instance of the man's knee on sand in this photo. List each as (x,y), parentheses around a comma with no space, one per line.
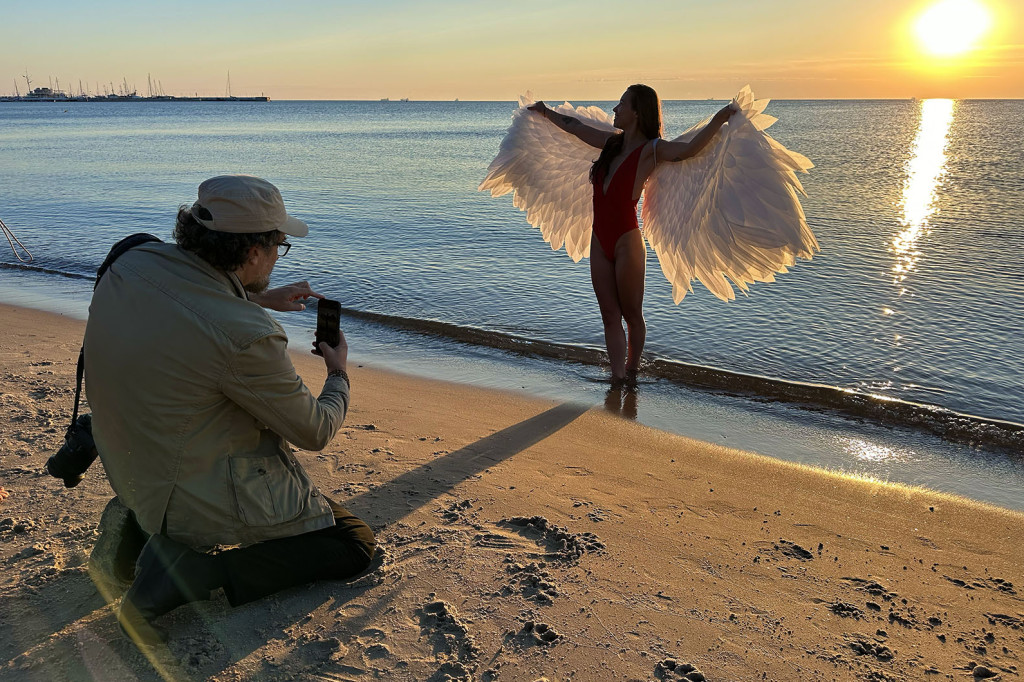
(360,542)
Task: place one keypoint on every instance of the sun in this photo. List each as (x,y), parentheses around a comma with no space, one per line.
(952,27)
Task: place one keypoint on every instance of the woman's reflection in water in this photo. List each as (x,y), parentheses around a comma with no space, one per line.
(621,400)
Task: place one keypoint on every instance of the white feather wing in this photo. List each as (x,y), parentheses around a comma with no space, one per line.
(547,170)
(732,212)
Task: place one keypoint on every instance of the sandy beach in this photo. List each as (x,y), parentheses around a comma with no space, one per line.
(525,540)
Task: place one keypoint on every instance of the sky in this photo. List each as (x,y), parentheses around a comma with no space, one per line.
(480,50)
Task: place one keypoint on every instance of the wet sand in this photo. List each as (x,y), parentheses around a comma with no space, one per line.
(523,540)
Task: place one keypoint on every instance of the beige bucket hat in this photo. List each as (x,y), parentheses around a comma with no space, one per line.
(244,204)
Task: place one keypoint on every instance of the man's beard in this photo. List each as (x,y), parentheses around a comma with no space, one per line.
(259,286)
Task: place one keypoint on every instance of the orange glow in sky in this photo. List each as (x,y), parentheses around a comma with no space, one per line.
(471,50)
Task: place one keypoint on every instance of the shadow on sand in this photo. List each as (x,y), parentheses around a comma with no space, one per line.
(412,490)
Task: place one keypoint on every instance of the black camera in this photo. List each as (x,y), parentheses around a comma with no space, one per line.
(76,455)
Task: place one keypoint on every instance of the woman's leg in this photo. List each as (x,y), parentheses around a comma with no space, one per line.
(602,276)
(630,270)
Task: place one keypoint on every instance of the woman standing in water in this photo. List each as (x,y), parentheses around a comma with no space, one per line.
(619,258)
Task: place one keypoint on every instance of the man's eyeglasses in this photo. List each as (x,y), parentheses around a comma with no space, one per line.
(282,249)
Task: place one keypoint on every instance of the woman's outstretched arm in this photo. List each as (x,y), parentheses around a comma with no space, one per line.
(570,124)
(678,151)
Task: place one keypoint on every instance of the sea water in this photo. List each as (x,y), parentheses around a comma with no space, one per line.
(914,296)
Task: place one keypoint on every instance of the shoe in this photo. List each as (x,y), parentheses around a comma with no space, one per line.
(113,557)
(168,575)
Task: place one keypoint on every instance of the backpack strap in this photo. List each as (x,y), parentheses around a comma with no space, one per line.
(116,251)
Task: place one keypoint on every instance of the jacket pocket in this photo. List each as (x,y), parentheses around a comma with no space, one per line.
(266,491)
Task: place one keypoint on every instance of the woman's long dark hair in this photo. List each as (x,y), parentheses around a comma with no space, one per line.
(648,112)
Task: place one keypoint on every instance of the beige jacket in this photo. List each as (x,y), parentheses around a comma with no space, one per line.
(193,398)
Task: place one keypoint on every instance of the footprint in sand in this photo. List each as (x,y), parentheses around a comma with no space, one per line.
(500,542)
(671,669)
(535,583)
(304,661)
(536,538)
(1003,619)
(372,635)
(376,653)
(997,584)
(845,610)
(441,625)
(560,542)
(783,549)
(535,634)
(459,511)
(198,652)
(453,672)
(871,587)
(862,647)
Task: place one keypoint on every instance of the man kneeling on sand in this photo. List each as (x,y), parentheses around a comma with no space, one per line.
(194,401)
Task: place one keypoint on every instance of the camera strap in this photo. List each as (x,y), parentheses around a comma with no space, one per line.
(78,387)
(116,251)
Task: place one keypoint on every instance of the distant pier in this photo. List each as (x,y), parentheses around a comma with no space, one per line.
(120,98)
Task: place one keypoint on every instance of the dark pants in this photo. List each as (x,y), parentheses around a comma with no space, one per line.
(249,573)
(335,553)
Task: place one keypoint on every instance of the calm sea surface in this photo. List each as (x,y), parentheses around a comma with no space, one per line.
(917,206)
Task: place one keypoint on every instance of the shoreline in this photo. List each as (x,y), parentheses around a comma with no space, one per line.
(950,425)
(505,518)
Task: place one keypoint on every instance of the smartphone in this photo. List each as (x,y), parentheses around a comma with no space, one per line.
(328,322)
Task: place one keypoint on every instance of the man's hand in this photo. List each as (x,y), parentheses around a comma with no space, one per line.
(334,358)
(286,298)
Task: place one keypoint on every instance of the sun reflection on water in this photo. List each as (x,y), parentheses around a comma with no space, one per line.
(924,172)
(865,451)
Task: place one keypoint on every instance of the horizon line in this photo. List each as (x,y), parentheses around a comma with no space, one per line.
(582,99)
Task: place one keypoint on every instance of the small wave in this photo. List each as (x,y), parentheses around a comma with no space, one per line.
(48,271)
(950,425)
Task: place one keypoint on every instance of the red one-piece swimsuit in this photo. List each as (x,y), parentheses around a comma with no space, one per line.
(615,211)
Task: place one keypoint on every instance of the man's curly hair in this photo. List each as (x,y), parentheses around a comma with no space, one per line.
(223,250)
